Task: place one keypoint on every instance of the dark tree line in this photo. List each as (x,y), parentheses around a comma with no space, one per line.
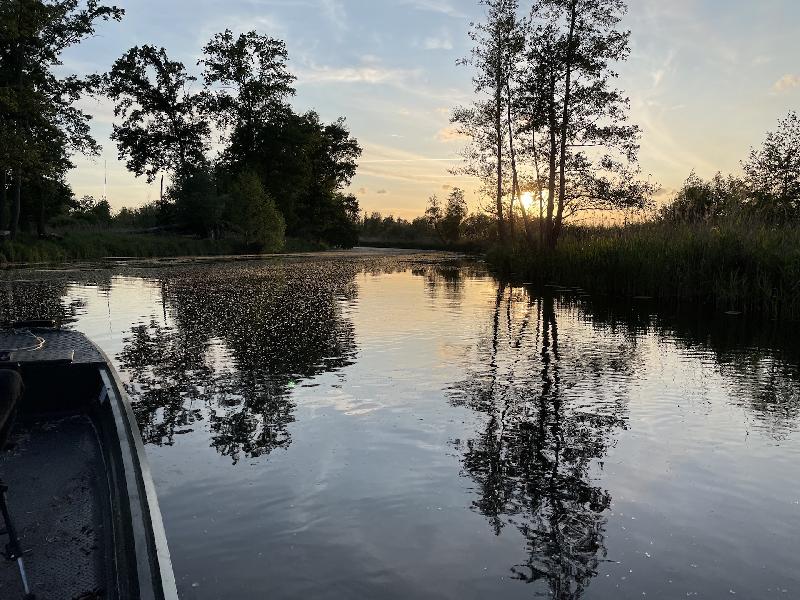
(40,126)
(276,171)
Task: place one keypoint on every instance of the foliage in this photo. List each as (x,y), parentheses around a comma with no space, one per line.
(247,81)
(773,171)
(253,214)
(162,129)
(447,222)
(40,126)
(84,244)
(740,264)
(706,201)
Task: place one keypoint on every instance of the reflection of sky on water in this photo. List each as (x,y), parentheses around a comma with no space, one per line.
(403,428)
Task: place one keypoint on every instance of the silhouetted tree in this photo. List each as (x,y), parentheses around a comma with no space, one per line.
(253,214)
(596,148)
(40,126)
(247,83)
(454,214)
(773,171)
(493,58)
(162,129)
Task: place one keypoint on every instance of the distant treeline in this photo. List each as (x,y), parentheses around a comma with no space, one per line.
(444,226)
(273,172)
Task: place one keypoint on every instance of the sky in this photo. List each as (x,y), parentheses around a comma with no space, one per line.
(706,79)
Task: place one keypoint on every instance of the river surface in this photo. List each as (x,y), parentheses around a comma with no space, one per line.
(406,426)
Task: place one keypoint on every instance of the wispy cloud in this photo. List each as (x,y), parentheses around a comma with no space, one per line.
(440,6)
(371,74)
(451,134)
(442,41)
(335,13)
(787,82)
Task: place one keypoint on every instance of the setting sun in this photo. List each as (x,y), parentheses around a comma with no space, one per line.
(527,200)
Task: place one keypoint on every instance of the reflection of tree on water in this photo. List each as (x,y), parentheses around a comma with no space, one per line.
(243,337)
(532,460)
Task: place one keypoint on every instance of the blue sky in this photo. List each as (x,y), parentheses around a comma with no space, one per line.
(707,79)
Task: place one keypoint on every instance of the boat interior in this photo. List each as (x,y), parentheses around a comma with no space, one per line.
(57,473)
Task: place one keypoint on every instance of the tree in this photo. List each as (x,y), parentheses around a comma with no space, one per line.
(40,126)
(198,206)
(773,171)
(493,59)
(252,212)
(454,214)
(591,148)
(435,215)
(247,80)
(162,128)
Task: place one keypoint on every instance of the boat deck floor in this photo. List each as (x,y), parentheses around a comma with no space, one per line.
(59,502)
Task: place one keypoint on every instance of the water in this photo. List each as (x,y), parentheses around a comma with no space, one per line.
(369,426)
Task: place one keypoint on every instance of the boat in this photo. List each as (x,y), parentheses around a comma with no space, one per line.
(81,515)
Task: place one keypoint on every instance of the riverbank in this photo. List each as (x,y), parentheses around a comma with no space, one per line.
(739,267)
(92,245)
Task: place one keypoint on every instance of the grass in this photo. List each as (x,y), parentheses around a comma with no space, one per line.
(87,245)
(734,266)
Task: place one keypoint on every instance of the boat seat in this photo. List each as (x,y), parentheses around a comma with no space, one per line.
(11,389)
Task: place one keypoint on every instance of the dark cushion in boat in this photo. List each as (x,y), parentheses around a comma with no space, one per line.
(10,393)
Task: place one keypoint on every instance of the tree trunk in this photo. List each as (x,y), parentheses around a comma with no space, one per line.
(551,183)
(17,204)
(514,175)
(562,175)
(501,228)
(4,199)
(40,218)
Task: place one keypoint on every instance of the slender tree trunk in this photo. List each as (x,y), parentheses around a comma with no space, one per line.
(551,183)
(17,204)
(40,218)
(539,190)
(4,199)
(562,175)
(515,191)
(501,228)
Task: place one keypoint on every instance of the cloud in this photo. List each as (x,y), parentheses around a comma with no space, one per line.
(787,82)
(443,41)
(451,134)
(440,6)
(334,12)
(363,191)
(372,74)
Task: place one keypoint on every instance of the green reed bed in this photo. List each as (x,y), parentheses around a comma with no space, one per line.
(86,245)
(734,266)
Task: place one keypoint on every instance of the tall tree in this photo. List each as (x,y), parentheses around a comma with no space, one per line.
(162,128)
(39,123)
(248,81)
(493,59)
(591,145)
(773,170)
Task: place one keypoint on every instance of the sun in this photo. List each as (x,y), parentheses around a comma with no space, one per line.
(527,200)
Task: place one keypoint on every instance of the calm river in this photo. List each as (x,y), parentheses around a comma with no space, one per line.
(388,426)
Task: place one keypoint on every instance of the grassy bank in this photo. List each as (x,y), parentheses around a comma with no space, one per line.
(736,266)
(87,245)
